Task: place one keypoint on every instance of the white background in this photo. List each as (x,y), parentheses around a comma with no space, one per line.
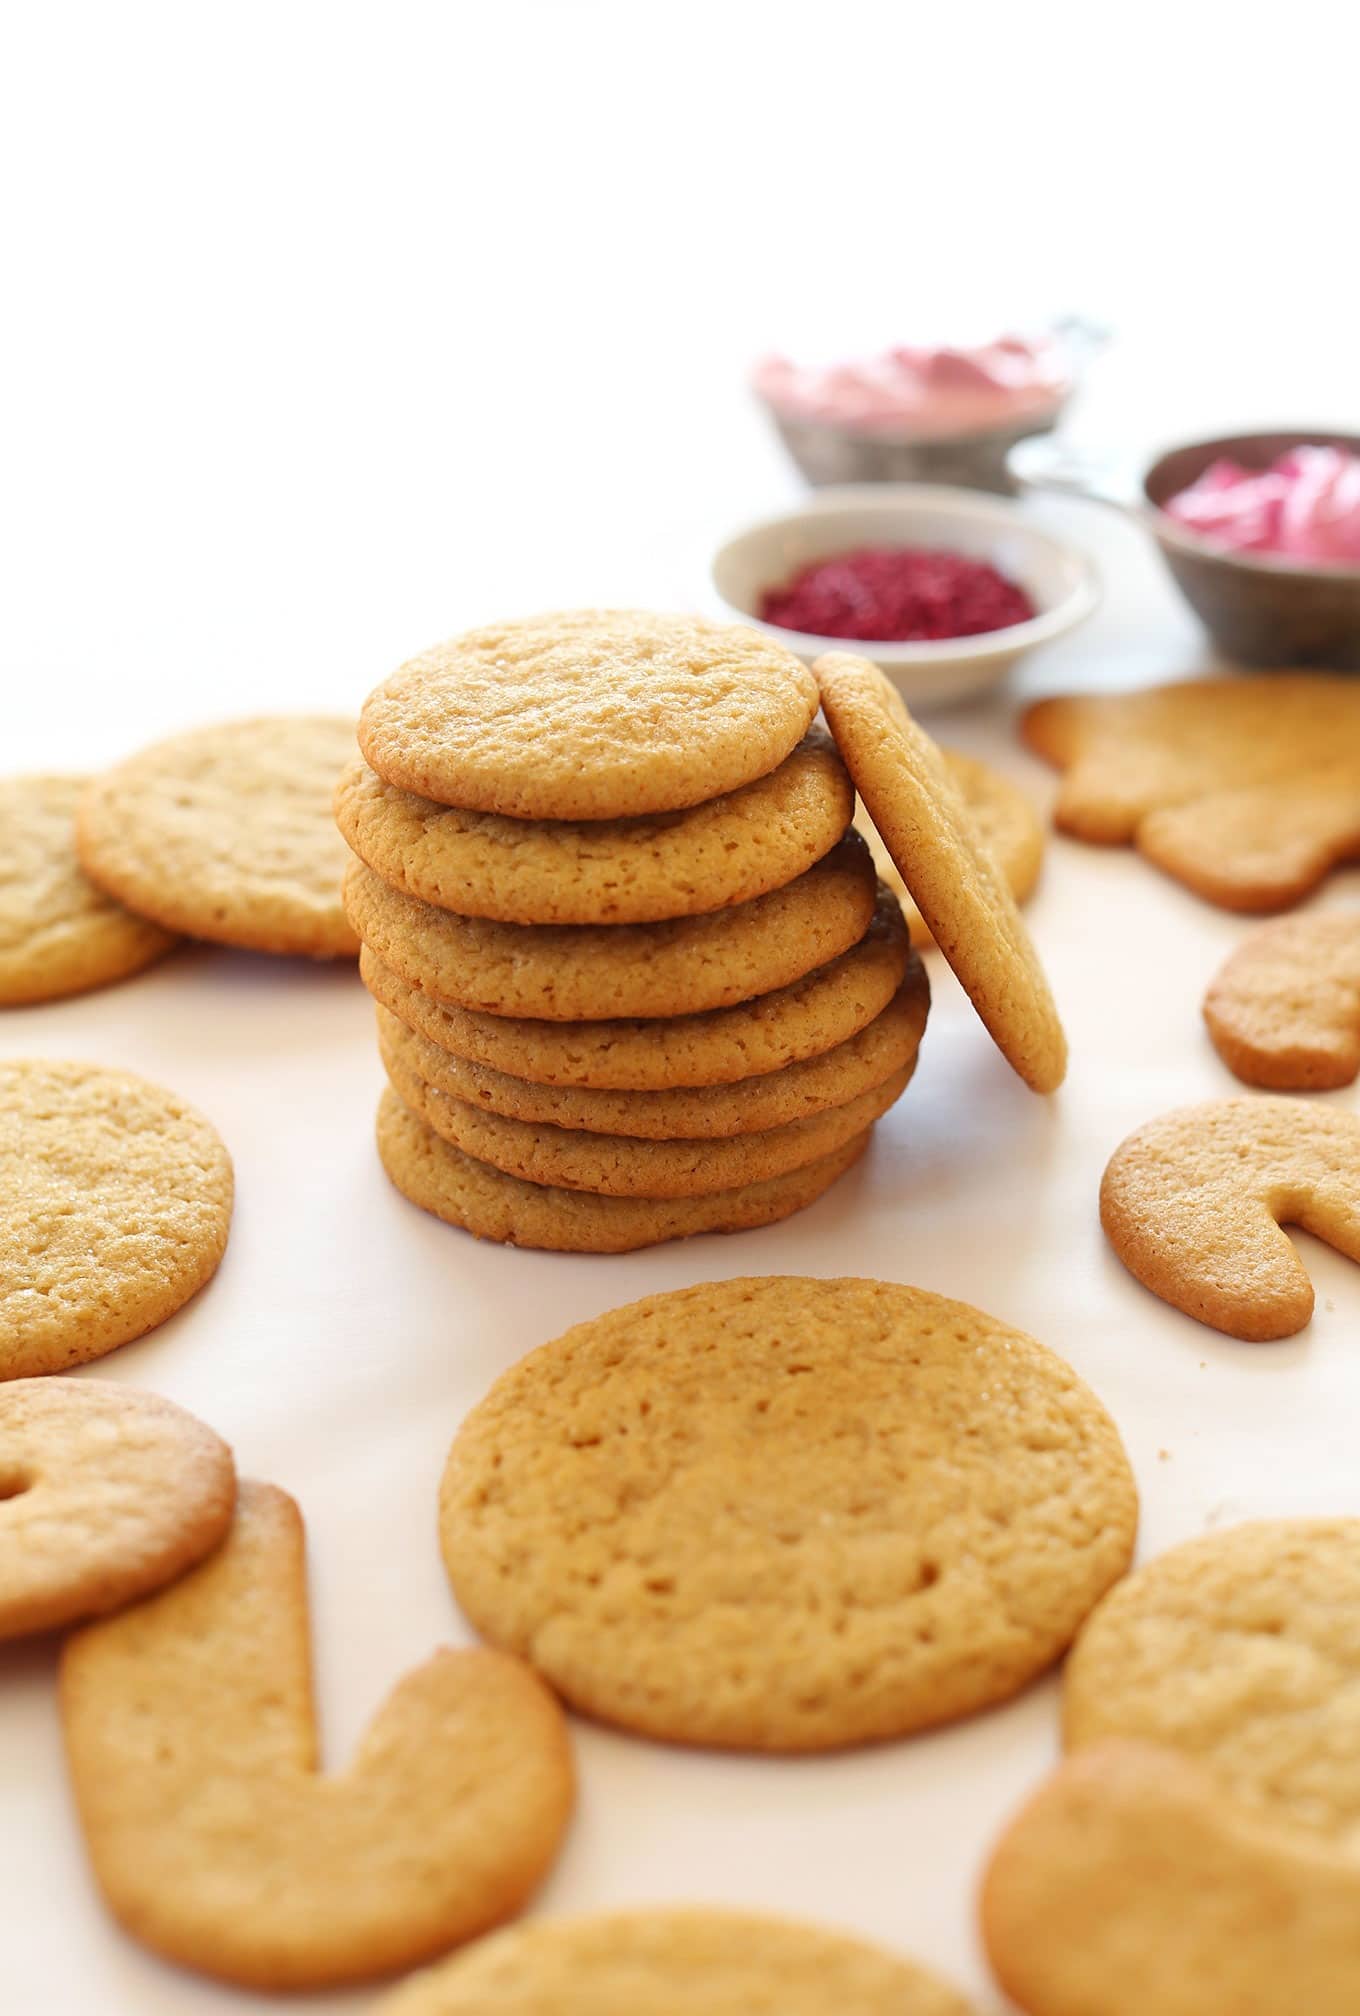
(329,330)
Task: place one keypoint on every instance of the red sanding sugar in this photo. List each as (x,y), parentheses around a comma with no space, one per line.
(896,594)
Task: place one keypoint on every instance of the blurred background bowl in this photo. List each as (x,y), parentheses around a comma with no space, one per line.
(1259,608)
(827,453)
(1060,581)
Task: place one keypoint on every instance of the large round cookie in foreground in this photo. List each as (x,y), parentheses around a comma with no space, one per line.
(59,934)
(582,972)
(603,871)
(713,1112)
(802,1513)
(105,1495)
(589,714)
(227,833)
(115,1198)
(925,825)
(1241,1649)
(673,1961)
(491,1205)
(770,1032)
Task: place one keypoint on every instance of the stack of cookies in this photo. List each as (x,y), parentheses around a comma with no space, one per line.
(635,976)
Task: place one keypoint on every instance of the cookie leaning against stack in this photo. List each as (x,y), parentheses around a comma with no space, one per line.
(637,978)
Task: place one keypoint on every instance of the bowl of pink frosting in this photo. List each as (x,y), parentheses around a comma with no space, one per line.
(919,413)
(1261,533)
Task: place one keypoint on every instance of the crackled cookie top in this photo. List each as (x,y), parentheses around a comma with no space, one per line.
(603,871)
(59,933)
(802,1513)
(115,1198)
(677,1961)
(589,714)
(228,833)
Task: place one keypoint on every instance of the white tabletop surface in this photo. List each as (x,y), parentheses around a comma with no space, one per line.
(329,332)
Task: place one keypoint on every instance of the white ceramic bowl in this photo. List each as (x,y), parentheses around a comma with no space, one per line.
(1061,582)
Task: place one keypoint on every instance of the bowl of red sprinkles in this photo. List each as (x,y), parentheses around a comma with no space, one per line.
(943,588)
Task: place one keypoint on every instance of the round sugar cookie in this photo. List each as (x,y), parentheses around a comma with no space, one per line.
(926,828)
(603,871)
(1241,1649)
(768,1033)
(491,1205)
(673,1961)
(227,833)
(59,934)
(1284,1009)
(115,1198)
(1007,824)
(581,972)
(802,1513)
(105,1495)
(589,714)
(778,1098)
(618,1165)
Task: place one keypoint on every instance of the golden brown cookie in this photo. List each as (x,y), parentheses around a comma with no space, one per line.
(769,1033)
(926,827)
(1247,789)
(582,972)
(115,1198)
(776,1099)
(803,1513)
(191,1740)
(105,1494)
(227,833)
(1007,824)
(589,714)
(689,1960)
(1129,1886)
(1194,1201)
(1284,1009)
(1240,1649)
(482,1200)
(617,1165)
(603,871)
(58,933)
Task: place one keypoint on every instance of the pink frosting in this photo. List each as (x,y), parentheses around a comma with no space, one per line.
(921,391)
(1306,506)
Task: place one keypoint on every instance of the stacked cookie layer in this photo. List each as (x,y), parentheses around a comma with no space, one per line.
(635,977)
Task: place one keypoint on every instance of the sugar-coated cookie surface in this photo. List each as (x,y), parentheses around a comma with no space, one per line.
(59,934)
(589,714)
(774,1099)
(1284,1009)
(456,1187)
(804,1513)
(1245,789)
(115,1199)
(770,1032)
(1242,1650)
(603,871)
(1194,1201)
(1006,822)
(105,1494)
(1129,1886)
(191,1741)
(227,833)
(924,823)
(620,1165)
(674,1961)
(583,972)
